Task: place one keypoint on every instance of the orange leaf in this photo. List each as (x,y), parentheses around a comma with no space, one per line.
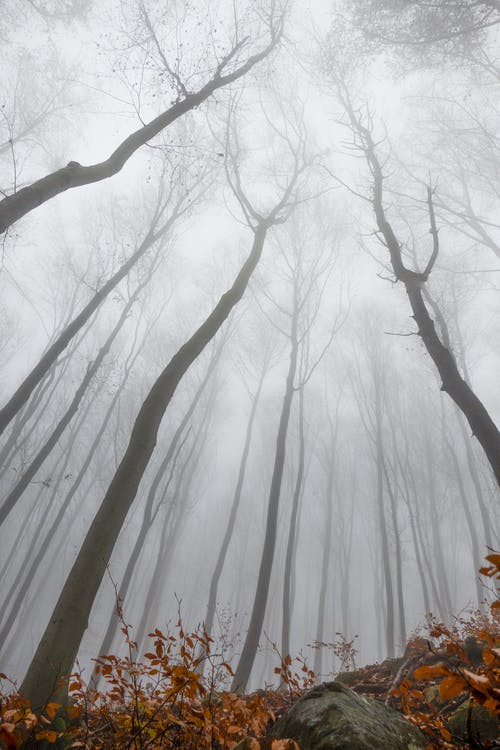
(52,709)
(479,682)
(445,733)
(490,655)
(494,559)
(48,735)
(451,686)
(434,670)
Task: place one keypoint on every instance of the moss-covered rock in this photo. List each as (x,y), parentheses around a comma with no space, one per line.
(483,725)
(349,678)
(332,717)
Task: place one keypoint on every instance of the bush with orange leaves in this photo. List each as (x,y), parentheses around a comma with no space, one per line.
(466,663)
(162,701)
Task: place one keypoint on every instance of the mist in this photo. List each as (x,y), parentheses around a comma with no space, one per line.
(250,323)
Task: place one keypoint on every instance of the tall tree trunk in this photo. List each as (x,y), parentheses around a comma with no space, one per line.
(452,383)
(22,394)
(70,412)
(416,546)
(28,570)
(473,537)
(325,567)
(174,517)
(15,206)
(384,537)
(437,546)
(221,558)
(58,647)
(292,536)
(149,513)
(399,560)
(247,657)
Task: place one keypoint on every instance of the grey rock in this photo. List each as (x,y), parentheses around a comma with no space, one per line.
(332,717)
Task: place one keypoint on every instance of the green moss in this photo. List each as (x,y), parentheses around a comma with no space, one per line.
(484,726)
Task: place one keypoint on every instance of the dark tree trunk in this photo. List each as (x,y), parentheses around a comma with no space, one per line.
(247,657)
(325,567)
(384,537)
(150,513)
(14,207)
(221,558)
(22,394)
(292,536)
(58,647)
(70,412)
(481,424)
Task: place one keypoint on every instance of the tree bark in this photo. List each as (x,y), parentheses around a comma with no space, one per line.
(325,566)
(14,207)
(384,537)
(58,647)
(221,558)
(70,412)
(247,657)
(22,394)
(292,536)
(149,515)
(481,423)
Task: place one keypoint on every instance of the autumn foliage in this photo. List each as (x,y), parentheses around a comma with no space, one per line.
(162,700)
(175,696)
(465,668)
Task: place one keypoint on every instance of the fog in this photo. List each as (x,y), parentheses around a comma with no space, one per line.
(283,393)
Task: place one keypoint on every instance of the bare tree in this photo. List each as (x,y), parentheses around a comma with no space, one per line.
(153,506)
(233,513)
(57,650)
(232,66)
(305,275)
(173,201)
(480,421)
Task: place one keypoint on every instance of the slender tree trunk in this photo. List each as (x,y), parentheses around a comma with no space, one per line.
(72,409)
(424,547)
(58,647)
(416,546)
(399,561)
(149,514)
(292,535)
(171,526)
(247,657)
(437,547)
(14,207)
(221,558)
(474,541)
(22,394)
(384,537)
(28,570)
(471,464)
(325,569)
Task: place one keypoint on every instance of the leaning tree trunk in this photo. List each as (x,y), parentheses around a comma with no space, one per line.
(14,207)
(58,647)
(150,513)
(70,412)
(247,657)
(174,518)
(452,382)
(22,394)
